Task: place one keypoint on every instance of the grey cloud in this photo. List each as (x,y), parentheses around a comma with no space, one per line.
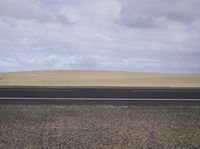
(153,13)
(30,10)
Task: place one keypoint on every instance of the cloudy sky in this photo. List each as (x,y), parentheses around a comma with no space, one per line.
(129,35)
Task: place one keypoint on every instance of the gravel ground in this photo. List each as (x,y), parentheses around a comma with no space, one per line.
(60,127)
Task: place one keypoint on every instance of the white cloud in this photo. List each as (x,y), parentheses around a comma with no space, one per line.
(131,35)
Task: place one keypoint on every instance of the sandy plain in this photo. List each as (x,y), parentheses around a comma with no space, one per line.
(97,78)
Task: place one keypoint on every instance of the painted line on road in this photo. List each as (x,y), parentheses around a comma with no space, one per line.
(150,99)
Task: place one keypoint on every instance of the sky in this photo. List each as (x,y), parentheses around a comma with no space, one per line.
(128,35)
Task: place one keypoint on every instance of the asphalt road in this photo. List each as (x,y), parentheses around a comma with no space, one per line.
(99,95)
(104,101)
(100,92)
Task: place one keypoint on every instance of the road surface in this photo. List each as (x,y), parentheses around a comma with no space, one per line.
(99,95)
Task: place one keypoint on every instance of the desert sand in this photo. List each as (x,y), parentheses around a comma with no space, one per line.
(97,78)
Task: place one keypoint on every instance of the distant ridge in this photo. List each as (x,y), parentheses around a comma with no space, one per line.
(97,78)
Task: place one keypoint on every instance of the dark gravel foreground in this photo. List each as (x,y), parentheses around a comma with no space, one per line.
(74,127)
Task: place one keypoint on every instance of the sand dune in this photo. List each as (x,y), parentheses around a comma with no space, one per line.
(98,78)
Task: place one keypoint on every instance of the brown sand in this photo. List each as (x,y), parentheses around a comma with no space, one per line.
(98,78)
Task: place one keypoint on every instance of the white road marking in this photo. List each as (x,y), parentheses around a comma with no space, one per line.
(139,99)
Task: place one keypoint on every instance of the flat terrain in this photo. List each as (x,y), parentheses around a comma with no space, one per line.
(98,78)
(77,127)
(46,124)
